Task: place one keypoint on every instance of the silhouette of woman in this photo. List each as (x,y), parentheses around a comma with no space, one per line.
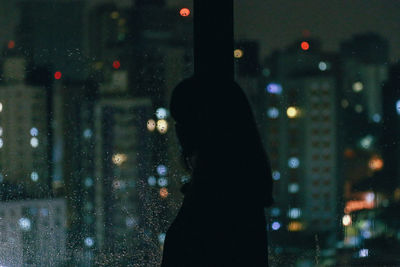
(221,221)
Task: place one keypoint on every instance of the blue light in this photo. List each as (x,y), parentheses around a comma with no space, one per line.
(273,113)
(87,133)
(376,118)
(34,131)
(275,226)
(276,175)
(293,163)
(274,88)
(152,181)
(161,170)
(398,106)
(89,241)
(275,212)
(161,238)
(163,182)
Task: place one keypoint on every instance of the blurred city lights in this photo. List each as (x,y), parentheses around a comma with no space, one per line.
(276,175)
(275,212)
(397,107)
(274,88)
(89,242)
(87,133)
(358,108)
(370,197)
(164,192)
(293,162)
(294,213)
(161,238)
(162,126)
(130,222)
(57,75)
(376,118)
(358,86)
(375,163)
(273,113)
(163,182)
(295,226)
(88,182)
(344,103)
(292,112)
(1,107)
(24,224)
(116,64)
(11,44)
(363,253)
(119,158)
(366,142)
(34,131)
(184,12)
(162,170)
(293,188)
(34,142)
(322,66)
(114,15)
(161,113)
(275,226)
(34,176)
(1,131)
(238,53)
(151,125)
(152,181)
(354,205)
(346,220)
(305,45)
(1,142)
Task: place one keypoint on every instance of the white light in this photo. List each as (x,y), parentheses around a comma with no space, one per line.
(398,107)
(34,131)
(366,234)
(273,113)
(357,87)
(89,242)
(34,176)
(322,66)
(275,226)
(1,131)
(88,182)
(363,253)
(293,188)
(152,180)
(369,197)
(87,133)
(346,220)
(1,107)
(1,142)
(275,212)
(34,142)
(293,163)
(376,118)
(162,126)
(24,224)
(161,238)
(162,170)
(161,113)
(366,142)
(294,213)
(276,175)
(163,182)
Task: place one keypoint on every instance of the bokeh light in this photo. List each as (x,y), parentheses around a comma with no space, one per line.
(11,44)
(119,159)
(275,226)
(161,113)
(357,87)
(346,220)
(292,112)
(273,113)
(305,45)
(34,176)
(322,66)
(116,64)
(57,75)
(151,125)
(184,12)
(295,226)
(375,163)
(274,88)
(164,192)
(34,142)
(238,53)
(162,126)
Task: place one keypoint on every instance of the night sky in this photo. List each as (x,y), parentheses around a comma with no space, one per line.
(278,23)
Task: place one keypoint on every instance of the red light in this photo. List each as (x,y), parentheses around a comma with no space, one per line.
(305,45)
(11,44)
(116,64)
(184,12)
(57,75)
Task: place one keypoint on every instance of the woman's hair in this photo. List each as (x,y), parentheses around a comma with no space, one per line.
(218,125)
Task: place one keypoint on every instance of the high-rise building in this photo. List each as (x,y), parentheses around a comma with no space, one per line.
(23,132)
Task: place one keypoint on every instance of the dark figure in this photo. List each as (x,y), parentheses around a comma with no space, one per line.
(221,221)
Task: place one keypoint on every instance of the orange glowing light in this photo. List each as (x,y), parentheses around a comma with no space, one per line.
(164,192)
(354,205)
(375,163)
(116,64)
(11,44)
(184,12)
(349,153)
(305,46)
(295,226)
(57,75)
